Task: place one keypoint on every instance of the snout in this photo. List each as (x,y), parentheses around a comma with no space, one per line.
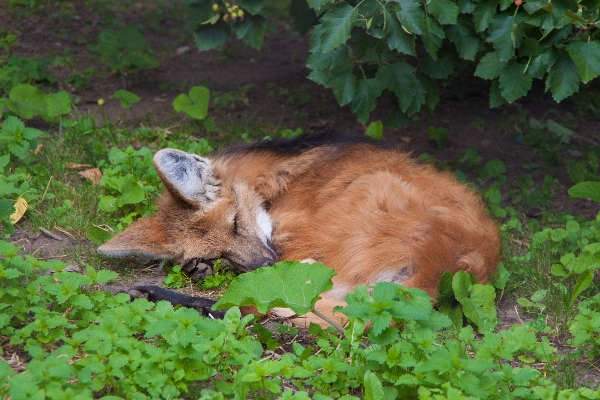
(256,257)
(265,258)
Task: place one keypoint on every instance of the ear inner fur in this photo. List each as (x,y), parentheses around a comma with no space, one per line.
(187,176)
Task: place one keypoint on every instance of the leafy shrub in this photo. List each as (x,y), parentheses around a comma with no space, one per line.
(406,48)
(25,70)
(27,101)
(586,328)
(130,183)
(90,343)
(18,141)
(558,268)
(125,50)
(214,23)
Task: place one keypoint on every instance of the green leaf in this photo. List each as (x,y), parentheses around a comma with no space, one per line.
(496,98)
(477,301)
(493,168)
(560,7)
(439,136)
(586,190)
(17,138)
(58,103)
(445,11)
(563,79)
(397,38)
(483,14)
(107,203)
(368,90)
(462,284)
(432,93)
(375,130)
(558,270)
(287,284)
(416,306)
(251,30)
(524,375)
(445,291)
(4,104)
(252,6)
(373,388)
(209,36)
(502,36)
(125,50)
(127,98)
(432,37)
(514,82)
(490,66)
(400,78)
(28,101)
(98,235)
(195,104)
(464,38)
(7,208)
(102,276)
(336,26)
(501,277)
(412,16)
(583,282)
(344,87)
(586,56)
(543,62)
(132,192)
(318,5)
(440,68)
(572,226)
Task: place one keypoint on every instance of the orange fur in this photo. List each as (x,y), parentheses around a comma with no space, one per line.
(371,214)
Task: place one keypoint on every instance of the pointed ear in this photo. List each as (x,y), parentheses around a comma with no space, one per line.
(146,238)
(187,176)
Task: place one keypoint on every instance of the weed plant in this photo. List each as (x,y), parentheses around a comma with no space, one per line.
(62,337)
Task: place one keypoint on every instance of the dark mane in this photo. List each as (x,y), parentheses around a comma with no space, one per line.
(305,142)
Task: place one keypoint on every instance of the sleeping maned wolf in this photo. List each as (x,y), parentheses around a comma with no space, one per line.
(370,213)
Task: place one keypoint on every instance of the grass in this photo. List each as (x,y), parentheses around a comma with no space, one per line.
(70,202)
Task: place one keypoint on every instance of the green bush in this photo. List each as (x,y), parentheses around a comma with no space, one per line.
(84,343)
(364,50)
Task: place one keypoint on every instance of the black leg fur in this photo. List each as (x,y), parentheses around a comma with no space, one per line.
(155,293)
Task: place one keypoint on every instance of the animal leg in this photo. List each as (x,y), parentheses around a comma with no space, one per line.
(155,293)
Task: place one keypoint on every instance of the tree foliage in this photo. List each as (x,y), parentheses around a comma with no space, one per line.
(364,50)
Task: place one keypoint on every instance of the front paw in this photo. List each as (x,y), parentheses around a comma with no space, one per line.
(198,269)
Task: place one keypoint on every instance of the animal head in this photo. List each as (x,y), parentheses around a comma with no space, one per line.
(199,218)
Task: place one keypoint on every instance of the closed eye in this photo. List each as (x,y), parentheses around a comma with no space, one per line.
(235,225)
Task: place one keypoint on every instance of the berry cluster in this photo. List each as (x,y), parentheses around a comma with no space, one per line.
(231,12)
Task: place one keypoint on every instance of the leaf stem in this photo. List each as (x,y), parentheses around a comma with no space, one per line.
(46,190)
(328,320)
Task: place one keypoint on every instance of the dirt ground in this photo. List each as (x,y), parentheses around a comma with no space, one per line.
(280,95)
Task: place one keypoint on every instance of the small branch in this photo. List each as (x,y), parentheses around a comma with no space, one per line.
(587,140)
(61,230)
(52,235)
(328,320)
(46,191)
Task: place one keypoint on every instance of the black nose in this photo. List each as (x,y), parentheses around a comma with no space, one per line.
(266,261)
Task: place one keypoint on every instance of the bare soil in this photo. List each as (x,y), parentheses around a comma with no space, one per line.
(279,95)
